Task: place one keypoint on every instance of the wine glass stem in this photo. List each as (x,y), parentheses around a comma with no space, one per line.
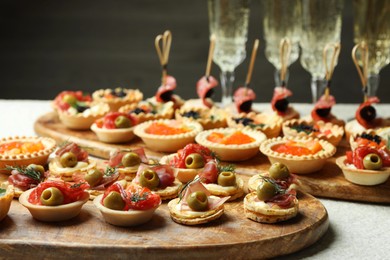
(317,87)
(227,79)
(372,84)
(278,81)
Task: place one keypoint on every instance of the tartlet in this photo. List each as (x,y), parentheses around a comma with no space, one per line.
(22,151)
(6,196)
(300,164)
(146,111)
(173,137)
(362,176)
(232,152)
(326,131)
(117,97)
(209,118)
(268,123)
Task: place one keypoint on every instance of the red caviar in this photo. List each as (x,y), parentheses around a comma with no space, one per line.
(237,137)
(14,148)
(296,148)
(158,128)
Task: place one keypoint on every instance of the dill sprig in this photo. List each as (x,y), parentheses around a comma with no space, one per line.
(136,197)
(109,171)
(28,171)
(77,185)
(226,168)
(279,190)
(2,192)
(185,187)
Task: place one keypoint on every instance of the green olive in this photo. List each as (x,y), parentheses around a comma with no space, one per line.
(130,159)
(372,161)
(37,168)
(93,177)
(71,100)
(278,171)
(122,122)
(149,179)
(68,159)
(114,201)
(198,201)
(227,179)
(194,161)
(266,191)
(52,197)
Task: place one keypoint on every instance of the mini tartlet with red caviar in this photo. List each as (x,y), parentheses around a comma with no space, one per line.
(301,155)
(6,196)
(128,161)
(115,127)
(69,159)
(367,164)
(118,97)
(160,179)
(127,206)
(54,201)
(22,151)
(268,123)
(167,135)
(231,144)
(326,131)
(196,205)
(77,111)
(221,180)
(279,173)
(271,203)
(189,161)
(146,111)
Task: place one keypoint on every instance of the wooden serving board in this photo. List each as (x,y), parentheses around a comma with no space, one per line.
(232,236)
(329,182)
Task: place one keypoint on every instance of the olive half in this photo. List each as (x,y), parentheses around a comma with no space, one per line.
(227,179)
(149,179)
(114,201)
(68,159)
(37,168)
(198,201)
(122,122)
(71,100)
(372,161)
(266,191)
(130,159)
(52,197)
(278,171)
(93,177)
(194,161)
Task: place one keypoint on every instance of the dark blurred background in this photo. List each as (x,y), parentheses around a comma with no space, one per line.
(49,46)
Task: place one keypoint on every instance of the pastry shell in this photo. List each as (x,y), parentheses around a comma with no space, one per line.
(184,219)
(132,96)
(272,123)
(363,177)
(25,159)
(353,128)
(53,213)
(164,111)
(183,175)
(232,152)
(5,201)
(123,218)
(65,173)
(290,113)
(263,213)
(298,164)
(209,118)
(167,143)
(337,132)
(121,135)
(83,121)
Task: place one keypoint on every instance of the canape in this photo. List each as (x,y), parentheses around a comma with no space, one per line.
(231,144)
(209,118)
(117,97)
(280,104)
(167,135)
(301,155)
(146,111)
(22,151)
(6,196)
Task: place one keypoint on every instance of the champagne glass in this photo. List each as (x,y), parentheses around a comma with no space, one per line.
(321,24)
(281,19)
(228,21)
(372,25)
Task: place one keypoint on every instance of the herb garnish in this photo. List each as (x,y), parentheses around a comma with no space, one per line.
(109,171)
(279,190)
(77,185)
(307,129)
(28,171)
(2,192)
(136,197)
(226,168)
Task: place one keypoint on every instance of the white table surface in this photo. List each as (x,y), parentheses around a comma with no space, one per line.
(356,231)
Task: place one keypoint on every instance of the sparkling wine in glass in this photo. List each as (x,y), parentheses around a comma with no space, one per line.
(321,24)
(228,21)
(372,25)
(281,19)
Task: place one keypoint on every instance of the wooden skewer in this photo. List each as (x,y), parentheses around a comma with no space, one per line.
(163,47)
(285,51)
(210,57)
(363,72)
(252,62)
(335,49)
